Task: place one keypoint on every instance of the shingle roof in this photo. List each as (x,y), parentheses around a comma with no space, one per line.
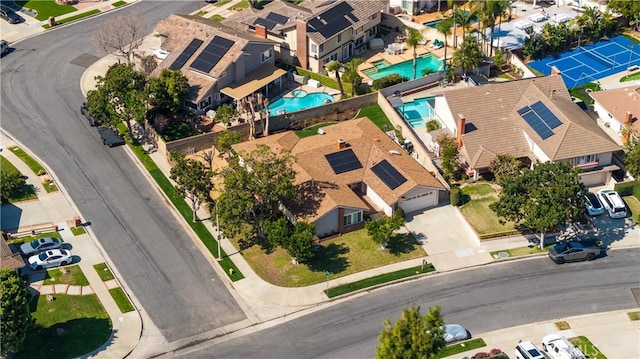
(368,143)
(495,127)
(8,259)
(618,101)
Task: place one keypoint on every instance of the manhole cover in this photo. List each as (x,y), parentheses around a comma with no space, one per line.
(503,254)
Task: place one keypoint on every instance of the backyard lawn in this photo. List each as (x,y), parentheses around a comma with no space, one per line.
(375,114)
(46,8)
(476,199)
(347,254)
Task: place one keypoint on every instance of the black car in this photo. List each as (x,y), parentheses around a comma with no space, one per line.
(83,110)
(10,16)
(110,137)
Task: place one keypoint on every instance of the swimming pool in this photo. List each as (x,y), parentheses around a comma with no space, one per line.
(417,112)
(405,68)
(301,100)
(432,24)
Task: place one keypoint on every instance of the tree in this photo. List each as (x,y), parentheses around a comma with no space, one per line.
(119,96)
(444,28)
(300,244)
(148,64)
(351,75)
(16,320)
(335,67)
(505,166)
(277,232)
(464,18)
(412,335)
(542,198)
(120,35)
(256,186)
(468,56)
(632,157)
(449,155)
(382,229)
(225,114)
(226,139)
(629,9)
(193,180)
(10,182)
(169,90)
(414,38)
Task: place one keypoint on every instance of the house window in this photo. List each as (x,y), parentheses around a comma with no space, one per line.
(373,31)
(339,38)
(582,160)
(352,218)
(374,16)
(266,55)
(359,42)
(191,105)
(334,56)
(314,48)
(205,103)
(321,48)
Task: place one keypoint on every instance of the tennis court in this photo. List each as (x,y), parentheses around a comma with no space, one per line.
(592,62)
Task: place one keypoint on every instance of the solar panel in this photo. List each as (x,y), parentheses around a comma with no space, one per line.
(537,125)
(265,22)
(546,115)
(209,57)
(333,20)
(339,10)
(277,18)
(186,54)
(343,161)
(524,110)
(388,174)
(334,27)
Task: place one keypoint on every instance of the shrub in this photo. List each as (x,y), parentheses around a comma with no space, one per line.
(628,188)
(454,196)
(433,125)
(387,81)
(399,212)
(47,180)
(41,172)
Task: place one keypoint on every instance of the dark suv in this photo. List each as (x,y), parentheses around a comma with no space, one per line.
(10,16)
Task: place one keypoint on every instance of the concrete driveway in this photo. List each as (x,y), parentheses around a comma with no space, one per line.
(441,229)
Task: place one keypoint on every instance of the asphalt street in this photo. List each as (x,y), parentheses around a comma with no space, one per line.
(171,280)
(482,299)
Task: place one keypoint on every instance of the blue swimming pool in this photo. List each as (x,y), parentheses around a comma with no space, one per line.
(301,100)
(417,112)
(405,68)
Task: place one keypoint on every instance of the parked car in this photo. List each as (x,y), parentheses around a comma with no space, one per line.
(40,244)
(559,347)
(613,203)
(10,16)
(594,207)
(50,259)
(455,332)
(527,350)
(110,137)
(83,110)
(574,251)
(4,47)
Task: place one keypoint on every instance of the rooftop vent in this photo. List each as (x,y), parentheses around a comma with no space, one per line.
(342,144)
(394,152)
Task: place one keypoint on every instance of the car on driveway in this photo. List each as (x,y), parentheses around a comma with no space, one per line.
(10,16)
(594,207)
(40,244)
(455,332)
(572,251)
(613,203)
(50,259)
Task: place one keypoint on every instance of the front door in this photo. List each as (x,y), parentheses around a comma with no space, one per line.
(346,53)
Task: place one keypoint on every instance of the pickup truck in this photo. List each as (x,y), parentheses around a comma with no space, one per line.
(559,347)
(110,137)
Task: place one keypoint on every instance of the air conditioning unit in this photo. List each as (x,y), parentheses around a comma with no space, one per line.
(607,124)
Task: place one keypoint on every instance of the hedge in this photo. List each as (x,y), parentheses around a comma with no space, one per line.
(628,188)
(387,81)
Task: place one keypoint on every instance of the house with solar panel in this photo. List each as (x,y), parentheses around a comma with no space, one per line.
(531,119)
(619,111)
(314,33)
(352,170)
(220,63)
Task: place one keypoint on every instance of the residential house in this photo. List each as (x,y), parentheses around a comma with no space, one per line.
(355,170)
(8,259)
(315,32)
(220,63)
(413,7)
(619,109)
(532,119)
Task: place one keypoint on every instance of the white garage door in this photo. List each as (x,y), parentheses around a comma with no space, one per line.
(418,203)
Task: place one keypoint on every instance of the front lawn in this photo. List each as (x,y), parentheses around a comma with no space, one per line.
(347,254)
(217,18)
(477,212)
(375,114)
(24,193)
(46,8)
(634,207)
(28,160)
(121,300)
(587,348)
(67,327)
(74,276)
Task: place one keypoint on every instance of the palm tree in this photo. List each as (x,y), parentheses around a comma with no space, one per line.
(451,4)
(498,9)
(468,56)
(444,27)
(464,18)
(351,74)
(414,37)
(336,66)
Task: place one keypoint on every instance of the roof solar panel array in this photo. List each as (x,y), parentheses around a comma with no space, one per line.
(211,55)
(268,24)
(186,54)
(343,161)
(546,115)
(277,18)
(333,20)
(388,174)
(540,118)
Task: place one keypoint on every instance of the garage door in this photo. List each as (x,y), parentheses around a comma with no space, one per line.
(418,203)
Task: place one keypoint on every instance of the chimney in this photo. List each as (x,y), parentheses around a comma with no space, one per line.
(301,43)
(342,144)
(460,131)
(261,31)
(626,122)
(555,71)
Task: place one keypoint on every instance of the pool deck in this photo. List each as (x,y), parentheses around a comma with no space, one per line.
(421,50)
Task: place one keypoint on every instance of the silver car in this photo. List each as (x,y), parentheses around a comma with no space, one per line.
(50,259)
(40,244)
(574,251)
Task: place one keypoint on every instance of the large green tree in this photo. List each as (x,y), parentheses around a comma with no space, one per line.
(630,9)
(444,28)
(10,182)
(256,186)
(169,90)
(382,229)
(413,336)
(15,316)
(414,38)
(120,96)
(300,243)
(468,56)
(193,180)
(505,166)
(542,198)
(226,139)
(632,157)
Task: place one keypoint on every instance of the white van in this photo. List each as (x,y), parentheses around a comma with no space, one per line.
(613,203)
(526,350)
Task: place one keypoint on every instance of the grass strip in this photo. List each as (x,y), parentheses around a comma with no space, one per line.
(121,300)
(217,18)
(119,3)
(103,271)
(78,231)
(29,161)
(587,348)
(74,18)
(185,210)
(634,315)
(222,3)
(379,279)
(23,193)
(50,187)
(461,347)
(242,5)
(73,276)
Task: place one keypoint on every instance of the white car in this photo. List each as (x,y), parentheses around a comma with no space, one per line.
(40,244)
(49,259)
(161,54)
(559,347)
(613,203)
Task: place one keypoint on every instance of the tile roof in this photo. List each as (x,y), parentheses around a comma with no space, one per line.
(493,125)
(243,19)
(351,14)
(8,259)
(618,101)
(180,30)
(369,144)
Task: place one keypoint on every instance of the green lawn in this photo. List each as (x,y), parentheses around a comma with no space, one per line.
(75,17)
(379,279)
(103,271)
(453,349)
(217,18)
(631,77)
(121,300)
(22,194)
(83,320)
(476,199)
(26,239)
(222,2)
(375,114)
(242,4)
(634,315)
(634,207)
(74,276)
(587,348)
(119,3)
(347,254)
(50,187)
(30,162)
(78,231)
(46,8)
(313,130)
